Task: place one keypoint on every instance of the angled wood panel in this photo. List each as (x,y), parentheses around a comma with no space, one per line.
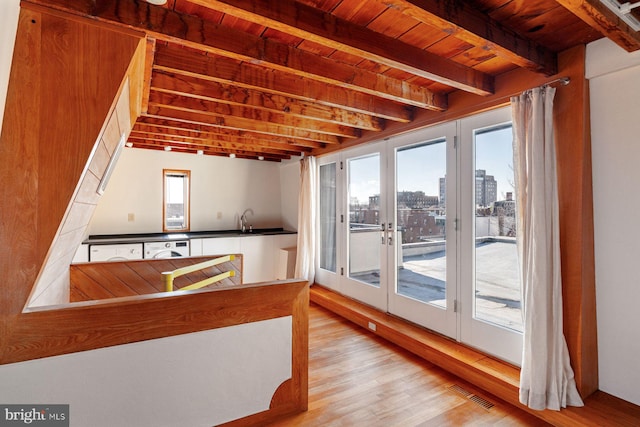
(46,141)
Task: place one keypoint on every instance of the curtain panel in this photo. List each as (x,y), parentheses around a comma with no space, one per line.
(546,378)
(306,251)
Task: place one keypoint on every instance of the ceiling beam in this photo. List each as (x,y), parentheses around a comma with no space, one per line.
(312,24)
(237,96)
(232,113)
(599,17)
(214,151)
(463,21)
(167,125)
(174,141)
(237,123)
(212,140)
(150,50)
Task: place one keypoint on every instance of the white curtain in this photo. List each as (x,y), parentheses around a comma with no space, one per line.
(546,378)
(305,259)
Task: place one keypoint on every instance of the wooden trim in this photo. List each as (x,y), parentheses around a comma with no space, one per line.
(494,376)
(575,196)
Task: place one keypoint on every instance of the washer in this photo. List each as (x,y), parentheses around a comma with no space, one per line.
(166,249)
(115,252)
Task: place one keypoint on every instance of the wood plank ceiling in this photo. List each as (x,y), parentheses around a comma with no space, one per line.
(272,79)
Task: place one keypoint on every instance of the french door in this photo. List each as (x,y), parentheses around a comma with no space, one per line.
(422,241)
(423,226)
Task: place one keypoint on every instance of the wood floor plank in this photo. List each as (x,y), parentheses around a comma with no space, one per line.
(500,378)
(359,379)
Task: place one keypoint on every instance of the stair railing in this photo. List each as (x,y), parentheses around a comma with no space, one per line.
(169,276)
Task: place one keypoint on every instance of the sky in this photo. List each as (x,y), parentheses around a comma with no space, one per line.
(421,166)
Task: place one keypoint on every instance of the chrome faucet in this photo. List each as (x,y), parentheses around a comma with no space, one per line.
(243,219)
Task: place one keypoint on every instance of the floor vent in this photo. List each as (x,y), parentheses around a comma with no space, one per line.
(481,401)
(478,400)
(457,389)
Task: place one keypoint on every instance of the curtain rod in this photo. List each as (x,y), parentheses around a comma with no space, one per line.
(563,81)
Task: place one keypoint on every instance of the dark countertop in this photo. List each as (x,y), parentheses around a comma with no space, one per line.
(103,239)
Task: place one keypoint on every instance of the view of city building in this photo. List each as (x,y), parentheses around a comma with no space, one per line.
(486,188)
(421,217)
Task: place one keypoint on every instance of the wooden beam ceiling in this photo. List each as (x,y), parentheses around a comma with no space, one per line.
(277,78)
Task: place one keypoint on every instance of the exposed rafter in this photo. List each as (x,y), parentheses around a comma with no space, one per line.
(463,21)
(325,29)
(598,16)
(237,96)
(250,76)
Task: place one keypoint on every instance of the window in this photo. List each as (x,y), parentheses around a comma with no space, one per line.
(497,279)
(175,211)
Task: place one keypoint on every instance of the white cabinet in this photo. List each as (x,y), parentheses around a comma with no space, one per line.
(195,247)
(257,253)
(260,253)
(221,246)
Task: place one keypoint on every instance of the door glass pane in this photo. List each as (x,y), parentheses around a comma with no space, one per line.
(497,281)
(328,217)
(364,219)
(420,218)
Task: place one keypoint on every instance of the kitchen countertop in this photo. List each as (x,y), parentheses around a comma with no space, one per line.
(103,239)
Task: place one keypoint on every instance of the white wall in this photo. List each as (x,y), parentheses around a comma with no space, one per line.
(198,379)
(218,185)
(9,10)
(615,123)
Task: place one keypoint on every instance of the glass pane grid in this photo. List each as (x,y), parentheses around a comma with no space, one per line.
(364,219)
(420,222)
(328,217)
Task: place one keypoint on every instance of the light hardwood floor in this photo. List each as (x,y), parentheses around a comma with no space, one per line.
(358,379)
